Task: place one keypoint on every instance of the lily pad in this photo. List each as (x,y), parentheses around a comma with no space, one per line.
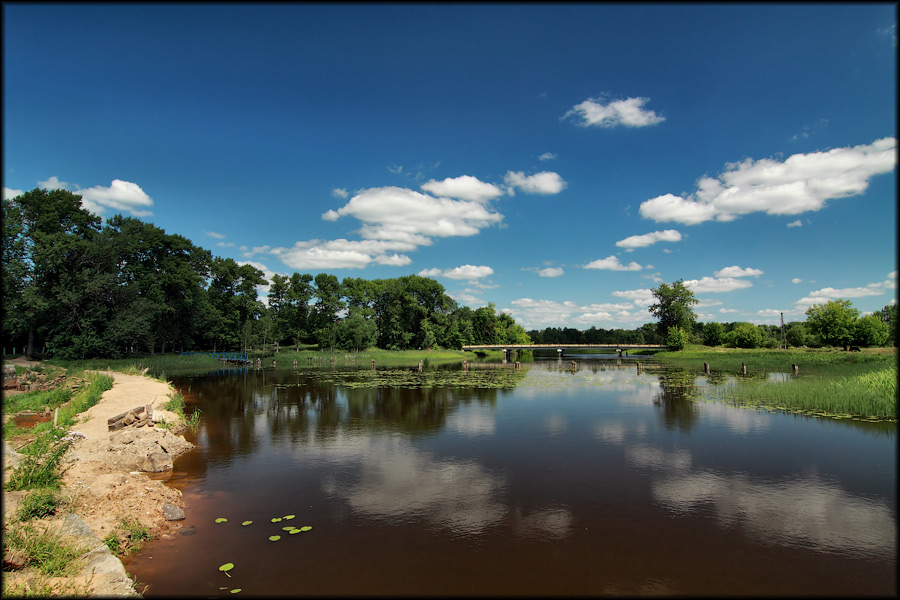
(289,517)
(293,531)
(274,538)
(235,590)
(289,528)
(245,523)
(306,528)
(221,520)
(276,519)
(226,567)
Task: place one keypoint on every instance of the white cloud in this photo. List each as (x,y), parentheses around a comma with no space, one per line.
(9,193)
(396,169)
(736,271)
(796,280)
(551,272)
(546,156)
(643,297)
(340,193)
(464,187)
(464,272)
(225,244)
(119,196)
(802,183)
(797,223)
(728,310)
(716,284)
(341,254)
(394,213)
(647,239)
(611,263)
(213,234)
(628,112)
(53,183)
(538,314)
(823,295)
(545,182)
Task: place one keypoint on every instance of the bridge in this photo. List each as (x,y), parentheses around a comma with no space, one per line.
(560,348)
(229,357)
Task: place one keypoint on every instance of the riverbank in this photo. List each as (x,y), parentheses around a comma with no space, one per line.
(104,488)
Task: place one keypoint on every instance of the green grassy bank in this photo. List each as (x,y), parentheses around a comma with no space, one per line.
(832,383)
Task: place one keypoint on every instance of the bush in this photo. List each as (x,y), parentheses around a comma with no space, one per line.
(713,334)
(39,468)
(744,335)
(676,338)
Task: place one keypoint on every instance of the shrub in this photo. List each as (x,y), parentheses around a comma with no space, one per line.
(39,503)
(676,338)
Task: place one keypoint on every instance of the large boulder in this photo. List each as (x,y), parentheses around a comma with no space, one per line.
(146,449)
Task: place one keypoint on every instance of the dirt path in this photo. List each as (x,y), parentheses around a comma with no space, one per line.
(102,472)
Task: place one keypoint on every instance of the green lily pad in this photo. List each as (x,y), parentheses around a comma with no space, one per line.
(274,538)
(276,519)
(293,531)
(221,520)
(226,567)
(289,528)
(245,523)
(306,528)
(235,590)
(289,517)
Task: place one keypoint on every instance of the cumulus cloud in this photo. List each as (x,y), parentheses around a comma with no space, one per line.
(342,254)
(797,223)
(736,271)
(464,187)
(340,193)
(538,314)
(628,112)
(545,182)
(823,295)
(647,239)
(802,183)
(546,156)
(796,280)
(716,284)
(119,196)
(394,213)
(213,234)
(53,183)
(9,193)
(611,263)
(464,272)
(551,272)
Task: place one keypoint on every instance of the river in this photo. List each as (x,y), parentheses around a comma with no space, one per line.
(550,479)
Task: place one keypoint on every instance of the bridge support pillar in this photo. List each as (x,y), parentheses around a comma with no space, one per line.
(506,354)
(559,354)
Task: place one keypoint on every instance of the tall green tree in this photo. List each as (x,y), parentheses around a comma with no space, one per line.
(673,307)
(327,305)
(832,322)
(870,331)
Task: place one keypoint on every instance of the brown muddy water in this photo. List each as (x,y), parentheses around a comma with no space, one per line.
(547,480)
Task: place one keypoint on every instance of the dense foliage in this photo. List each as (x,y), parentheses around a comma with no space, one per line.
(75,287)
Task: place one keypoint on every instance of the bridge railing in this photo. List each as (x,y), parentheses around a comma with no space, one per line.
(226,356)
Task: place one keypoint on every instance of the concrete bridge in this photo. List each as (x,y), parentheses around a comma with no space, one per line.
(560,348)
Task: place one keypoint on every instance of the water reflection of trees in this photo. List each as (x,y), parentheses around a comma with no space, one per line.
(678,390)
(243,410)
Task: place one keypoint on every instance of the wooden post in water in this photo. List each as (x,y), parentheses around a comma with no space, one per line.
(796,368)
(295,363)
(518,365)
(420,366)
(640,367)
(743,369)
(373,364)
(706,368)
(465,365)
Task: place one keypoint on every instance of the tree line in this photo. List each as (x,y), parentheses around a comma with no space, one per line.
(75,287)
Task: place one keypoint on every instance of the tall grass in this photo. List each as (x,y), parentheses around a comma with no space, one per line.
(43,549)
(40,466)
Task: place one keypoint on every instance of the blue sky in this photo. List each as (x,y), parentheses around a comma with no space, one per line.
(556,160)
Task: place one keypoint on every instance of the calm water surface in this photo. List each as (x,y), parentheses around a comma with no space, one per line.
(547,480)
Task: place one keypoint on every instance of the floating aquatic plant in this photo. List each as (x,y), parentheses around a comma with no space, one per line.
(289,517)
(235,590)
(276,519)
(245,523)
(221,520)
(226,567)
(274,538)
(306,528)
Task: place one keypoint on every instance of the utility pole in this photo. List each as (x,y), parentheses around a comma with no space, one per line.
(783,342)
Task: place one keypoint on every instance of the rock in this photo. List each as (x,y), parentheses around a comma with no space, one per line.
(13,560)
(157,462)
(172,512)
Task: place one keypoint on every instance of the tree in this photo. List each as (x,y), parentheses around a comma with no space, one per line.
(673,307)
(714,334)
(832,322)
(795,334)
(676,338)
(744,335)
(870,331)
(356,333)
(888,314)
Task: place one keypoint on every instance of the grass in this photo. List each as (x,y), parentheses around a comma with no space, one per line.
(43,549)
(382,358)
(41,502)
(127,537)
(40,466)
(176,405)
(838,384)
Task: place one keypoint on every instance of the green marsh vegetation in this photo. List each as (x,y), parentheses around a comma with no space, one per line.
(829,383)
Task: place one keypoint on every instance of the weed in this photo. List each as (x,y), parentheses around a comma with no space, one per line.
(43,550)
(41,502)
(126,538)
(39,467)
